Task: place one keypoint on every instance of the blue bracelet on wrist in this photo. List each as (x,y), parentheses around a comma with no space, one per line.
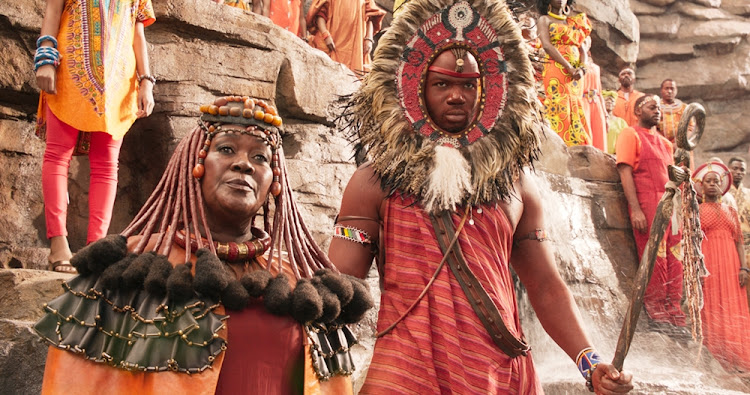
(587,361)
(44,62)
(42,39)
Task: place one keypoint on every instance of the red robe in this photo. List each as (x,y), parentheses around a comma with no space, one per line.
(441,346)
(725,315)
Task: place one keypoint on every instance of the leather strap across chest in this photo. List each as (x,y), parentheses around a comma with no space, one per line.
(480,301)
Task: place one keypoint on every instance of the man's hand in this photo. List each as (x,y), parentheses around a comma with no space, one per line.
(744,278)
(145,98)
(607,380)
(46,78)
(638,220)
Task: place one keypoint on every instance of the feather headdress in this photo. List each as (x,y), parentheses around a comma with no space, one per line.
(388,118)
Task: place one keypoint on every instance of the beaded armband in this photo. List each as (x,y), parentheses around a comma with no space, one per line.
(587,361)
(538,234)
(352,234)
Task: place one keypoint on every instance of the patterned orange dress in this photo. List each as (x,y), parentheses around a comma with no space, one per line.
(97,86)
(564,95)
(725,314)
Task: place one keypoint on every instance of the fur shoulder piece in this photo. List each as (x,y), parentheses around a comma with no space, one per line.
(388,119)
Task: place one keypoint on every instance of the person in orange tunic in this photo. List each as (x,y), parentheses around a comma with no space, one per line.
(626,97)
(193,297)
(725,316)
(344,30)
(92,67)
(672,109)
(593,101)
(562,37)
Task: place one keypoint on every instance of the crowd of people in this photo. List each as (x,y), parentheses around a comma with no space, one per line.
(194,296)
(343,29)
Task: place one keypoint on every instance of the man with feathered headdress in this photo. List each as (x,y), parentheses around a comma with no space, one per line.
(449,123)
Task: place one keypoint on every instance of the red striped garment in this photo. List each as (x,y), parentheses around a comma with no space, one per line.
(441,346)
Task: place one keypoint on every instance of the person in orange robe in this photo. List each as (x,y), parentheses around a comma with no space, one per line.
(593,101)
(90,97)
(562,36)
(672,109)
(725,316)
(344,30)
(626,97)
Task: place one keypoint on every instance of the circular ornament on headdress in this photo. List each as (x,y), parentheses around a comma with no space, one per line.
(725,176)
(393,130)
(459,25)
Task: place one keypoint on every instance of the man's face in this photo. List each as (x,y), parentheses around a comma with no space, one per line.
(451,101)
(627,78)
(668,91)
(738,169)
(649,113)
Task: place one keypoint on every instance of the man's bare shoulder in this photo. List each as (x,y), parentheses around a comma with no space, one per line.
(363,194)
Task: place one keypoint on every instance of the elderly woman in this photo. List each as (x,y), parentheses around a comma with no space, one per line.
(193,297)
(725,315)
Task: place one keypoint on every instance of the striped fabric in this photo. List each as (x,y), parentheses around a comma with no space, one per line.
(441,346)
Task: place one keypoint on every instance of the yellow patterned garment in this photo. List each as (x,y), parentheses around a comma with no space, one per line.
(241,4)
(742,197)
(563,95)
(670,118)
(97,85)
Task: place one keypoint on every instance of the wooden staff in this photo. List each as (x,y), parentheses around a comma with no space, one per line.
(677,175)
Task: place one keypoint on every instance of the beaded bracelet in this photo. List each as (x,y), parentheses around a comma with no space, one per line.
(147,77)
(46,53)
(745,269)
(42,39)
(352,234)
(587,361)
(45,62)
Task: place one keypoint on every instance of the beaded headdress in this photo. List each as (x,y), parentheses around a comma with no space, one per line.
(649,98)
(725,176)
(261,120)
(393,129)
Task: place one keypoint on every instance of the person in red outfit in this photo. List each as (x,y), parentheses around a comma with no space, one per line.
(642,159)
(725,316)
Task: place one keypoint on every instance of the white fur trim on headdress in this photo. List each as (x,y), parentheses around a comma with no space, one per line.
(449,180)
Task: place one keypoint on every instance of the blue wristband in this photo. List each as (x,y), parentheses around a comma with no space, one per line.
(44,62)
(587,361)
(46,53)
(42,39)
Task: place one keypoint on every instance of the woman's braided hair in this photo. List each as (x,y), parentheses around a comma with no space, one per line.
(177,204)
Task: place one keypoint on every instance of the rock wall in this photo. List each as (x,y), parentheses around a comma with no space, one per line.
(704,45)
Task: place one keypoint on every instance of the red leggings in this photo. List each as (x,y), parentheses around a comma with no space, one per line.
(103,157)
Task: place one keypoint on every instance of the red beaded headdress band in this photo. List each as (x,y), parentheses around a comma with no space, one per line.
(452,73)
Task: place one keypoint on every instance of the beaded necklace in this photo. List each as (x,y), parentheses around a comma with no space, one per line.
(560,17)
(232,252)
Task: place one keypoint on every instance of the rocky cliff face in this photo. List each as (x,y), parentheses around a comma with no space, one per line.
(704,45)
(200,50)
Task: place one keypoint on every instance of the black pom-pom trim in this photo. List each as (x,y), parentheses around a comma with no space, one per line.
(361,302)
(256,282)
(307,305)
(111,277)
(235,296)
(338,284)
(278,295)
(180,283)
(210,276)
(99,255)
(331,304)
(134,276)
(158,273)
